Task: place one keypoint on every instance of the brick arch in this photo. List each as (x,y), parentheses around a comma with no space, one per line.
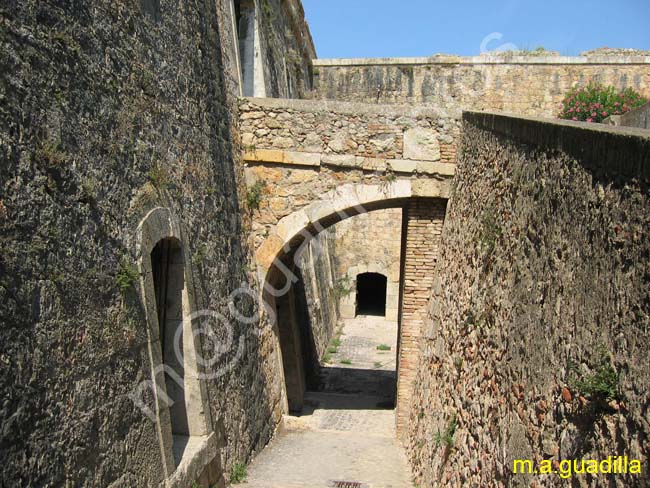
(424,203)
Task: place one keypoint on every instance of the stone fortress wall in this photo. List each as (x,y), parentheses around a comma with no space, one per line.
(299,150)
(122,126)
(526,85)
(542,284)
(118,118)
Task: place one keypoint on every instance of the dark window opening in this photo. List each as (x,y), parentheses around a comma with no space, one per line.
(169,281)
(245,21)
(371,294)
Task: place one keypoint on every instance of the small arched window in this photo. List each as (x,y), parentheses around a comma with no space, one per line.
(167,266)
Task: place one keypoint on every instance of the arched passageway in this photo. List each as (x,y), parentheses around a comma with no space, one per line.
(371,294)
(278,255)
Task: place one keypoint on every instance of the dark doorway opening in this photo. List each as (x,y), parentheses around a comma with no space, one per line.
(169,281)
(371,294)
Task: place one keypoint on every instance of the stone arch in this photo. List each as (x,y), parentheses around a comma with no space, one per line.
(336,205)
(161,227)
(276,257)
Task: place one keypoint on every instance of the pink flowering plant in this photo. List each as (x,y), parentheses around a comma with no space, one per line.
(594,103)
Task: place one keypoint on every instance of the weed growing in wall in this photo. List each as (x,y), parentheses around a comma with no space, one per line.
(238,474)
(343,287)
(490,231)
(601,385)
(126,276)
(51,154)
(254,195)
(446,438)
(159,177)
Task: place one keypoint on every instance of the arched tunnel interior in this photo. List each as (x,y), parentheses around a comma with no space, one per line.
(304,371)
(371,294)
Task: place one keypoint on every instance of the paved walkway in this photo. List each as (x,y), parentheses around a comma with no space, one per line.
(346,432)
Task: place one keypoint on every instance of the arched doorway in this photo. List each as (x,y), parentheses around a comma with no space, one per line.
(371,294)
(424,209)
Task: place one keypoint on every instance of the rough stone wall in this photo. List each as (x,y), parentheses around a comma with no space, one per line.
(542,282)
(109,110)
(521,85)
(287,48)
(319,275)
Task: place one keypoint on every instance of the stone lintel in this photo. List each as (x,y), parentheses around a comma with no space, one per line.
(282,157)
(351,161)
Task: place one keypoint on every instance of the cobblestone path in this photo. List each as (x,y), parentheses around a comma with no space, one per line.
(346,432)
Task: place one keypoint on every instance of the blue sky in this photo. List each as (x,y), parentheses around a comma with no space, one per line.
(383,28)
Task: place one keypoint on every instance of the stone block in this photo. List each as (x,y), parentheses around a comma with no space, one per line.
(291,225)
(267,252)
(374,164)
(319,210)
(282,157)
(343,197)
(400,189)
(342,160)
(432,188)
(264,155)
(436,168)
(347,311)
(392,314)
(302,158)
(402,165)
(421,144)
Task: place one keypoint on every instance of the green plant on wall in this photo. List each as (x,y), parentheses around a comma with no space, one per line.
(238,474)
(446,437)
(601,385)
(254,195)
(159,177)
(594,102)
(490,230)
(343,287)
(51,154)
(127,275)
(387,179)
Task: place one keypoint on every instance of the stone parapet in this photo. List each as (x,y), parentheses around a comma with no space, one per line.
(526,85)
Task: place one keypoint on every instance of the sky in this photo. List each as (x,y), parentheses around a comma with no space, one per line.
(383,28)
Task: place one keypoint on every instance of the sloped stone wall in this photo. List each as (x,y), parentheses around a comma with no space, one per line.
(319,276)
(542,283)
(287,48)
(111,109)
